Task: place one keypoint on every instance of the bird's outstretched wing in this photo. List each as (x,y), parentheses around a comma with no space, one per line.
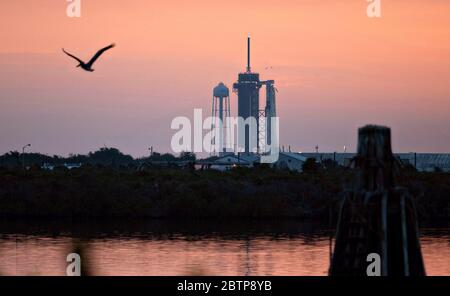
(98,54)
(72,56)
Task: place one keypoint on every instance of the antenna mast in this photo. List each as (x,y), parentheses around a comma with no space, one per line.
(248,54)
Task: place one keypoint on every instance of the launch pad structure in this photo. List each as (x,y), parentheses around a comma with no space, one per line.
(247,88)
(254,138)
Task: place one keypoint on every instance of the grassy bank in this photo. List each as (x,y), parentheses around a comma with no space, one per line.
(173,193)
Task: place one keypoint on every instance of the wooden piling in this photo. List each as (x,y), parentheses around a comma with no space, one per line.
(376,215)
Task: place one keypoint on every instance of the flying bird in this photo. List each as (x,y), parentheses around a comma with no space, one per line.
(88,66)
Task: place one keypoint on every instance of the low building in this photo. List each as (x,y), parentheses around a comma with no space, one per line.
(342,159)
(286,160)
(290,161)
(294,161)
(229,161)
(426,162)
(421,161)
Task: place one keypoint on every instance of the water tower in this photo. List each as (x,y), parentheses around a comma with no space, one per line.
(221,110)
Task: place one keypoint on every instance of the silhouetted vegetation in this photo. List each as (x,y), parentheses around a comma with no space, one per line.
(104,156)
(257,193)
(110,157)
(108,192)
(310,165)
(432,193)
(112,184)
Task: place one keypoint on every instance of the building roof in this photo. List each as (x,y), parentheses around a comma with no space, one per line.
(295,155)
(241,159)
(422,160)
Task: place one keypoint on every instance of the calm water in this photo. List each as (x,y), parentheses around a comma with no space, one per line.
(177,248)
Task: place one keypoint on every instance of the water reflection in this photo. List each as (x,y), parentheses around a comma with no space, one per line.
(180,248)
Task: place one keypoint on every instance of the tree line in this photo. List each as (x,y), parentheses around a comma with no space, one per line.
(103,157)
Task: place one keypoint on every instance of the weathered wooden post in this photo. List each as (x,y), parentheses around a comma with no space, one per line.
(377,216)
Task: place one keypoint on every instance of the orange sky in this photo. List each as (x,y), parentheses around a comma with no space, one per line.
(335,69)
